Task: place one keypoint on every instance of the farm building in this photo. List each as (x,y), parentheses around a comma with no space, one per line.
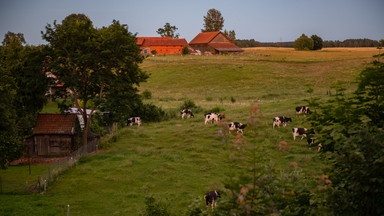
(53,134)
(162,45)
(214,42)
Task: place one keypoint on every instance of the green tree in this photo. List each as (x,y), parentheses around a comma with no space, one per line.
(91,62)
(168,31)
(231,35)
(303,43)
(317,42)
(350,131)
(213,21)
(23,87)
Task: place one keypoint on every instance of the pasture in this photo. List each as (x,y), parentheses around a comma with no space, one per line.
(179,160)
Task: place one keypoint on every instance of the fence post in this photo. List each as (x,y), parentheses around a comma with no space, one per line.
(45,186)
(68,211)
(1,186)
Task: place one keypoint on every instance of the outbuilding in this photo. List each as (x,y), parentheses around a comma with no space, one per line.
(53,134)
(161,45)
(214,43)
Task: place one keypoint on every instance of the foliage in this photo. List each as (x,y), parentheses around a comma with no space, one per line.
(213,21)
(168,31)
(147,94)
(23,87)
(185,50)
(247,43)
(93,62)
(153,208)
(317,42)
(303,43)
(231,35)
(350,131)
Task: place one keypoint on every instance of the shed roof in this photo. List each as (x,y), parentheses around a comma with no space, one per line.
(204,37)
(225,47)
(161,41)
(51,123)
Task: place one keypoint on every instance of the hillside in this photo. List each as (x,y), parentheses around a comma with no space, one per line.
(178,161)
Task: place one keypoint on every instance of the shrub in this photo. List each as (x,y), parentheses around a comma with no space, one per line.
(189,104)
(185,50)
(147,94)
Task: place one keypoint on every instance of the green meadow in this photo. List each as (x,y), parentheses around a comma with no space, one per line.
(179,160)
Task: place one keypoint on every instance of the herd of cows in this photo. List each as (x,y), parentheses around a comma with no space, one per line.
(212,196)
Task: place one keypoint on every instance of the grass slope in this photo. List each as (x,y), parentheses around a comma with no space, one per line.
(177,161)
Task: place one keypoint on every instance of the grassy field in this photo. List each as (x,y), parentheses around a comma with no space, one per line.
(177,161)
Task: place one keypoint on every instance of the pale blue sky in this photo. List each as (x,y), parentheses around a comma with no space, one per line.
(262,20)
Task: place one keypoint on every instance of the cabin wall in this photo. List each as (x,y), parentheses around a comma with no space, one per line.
(53,145)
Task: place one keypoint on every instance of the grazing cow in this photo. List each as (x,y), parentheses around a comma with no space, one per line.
(213,117)
(300,132)
(134,120)
(186,112)
(281,120)
(303,109)
(236,125)
(211,197)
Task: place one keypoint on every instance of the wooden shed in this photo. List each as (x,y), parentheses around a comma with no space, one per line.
(214,42)
(53,134)
(162,45)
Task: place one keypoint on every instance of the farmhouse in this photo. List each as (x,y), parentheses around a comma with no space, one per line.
(214,42)
(162,45)
(53,134)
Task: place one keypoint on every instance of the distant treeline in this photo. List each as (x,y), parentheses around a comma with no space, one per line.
(346,43)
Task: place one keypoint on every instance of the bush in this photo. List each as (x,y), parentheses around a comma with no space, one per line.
(215,110)
(303,43)
(185,50)
(147,94)
(189,104)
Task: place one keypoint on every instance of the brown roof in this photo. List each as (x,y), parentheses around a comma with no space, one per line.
(161,41)
(49,123)
(204,37)
(225,47)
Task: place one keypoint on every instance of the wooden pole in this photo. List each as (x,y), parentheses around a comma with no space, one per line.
(68,211)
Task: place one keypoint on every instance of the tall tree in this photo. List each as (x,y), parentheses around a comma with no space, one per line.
(213,21)
(317,42)
(23,87)
(168,31)
(91,61)
(231,34)
(303,43)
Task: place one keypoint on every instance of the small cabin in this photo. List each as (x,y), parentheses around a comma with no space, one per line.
(53,134)
(214,43)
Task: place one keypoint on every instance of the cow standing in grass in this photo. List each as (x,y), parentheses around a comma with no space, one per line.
(303,109)
(134,120)
(213,117)
(211,197)
(281,120)
(236,126)
(186,112)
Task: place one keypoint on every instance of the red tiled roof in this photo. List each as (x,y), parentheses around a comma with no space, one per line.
(204,37)
(225,47)
(161,41)
(49,123)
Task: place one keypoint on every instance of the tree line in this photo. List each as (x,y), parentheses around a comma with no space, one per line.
(244,43)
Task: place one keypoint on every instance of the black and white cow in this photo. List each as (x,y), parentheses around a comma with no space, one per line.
(186,112)
(134,120)
(300,132)
(211,197)
(236,126)
(213,117)
(281,120)
(303,109)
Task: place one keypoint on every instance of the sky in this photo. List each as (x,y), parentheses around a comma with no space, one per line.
(261,20)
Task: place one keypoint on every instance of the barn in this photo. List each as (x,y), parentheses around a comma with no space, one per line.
(53,134)
(162,45)
(215,43)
